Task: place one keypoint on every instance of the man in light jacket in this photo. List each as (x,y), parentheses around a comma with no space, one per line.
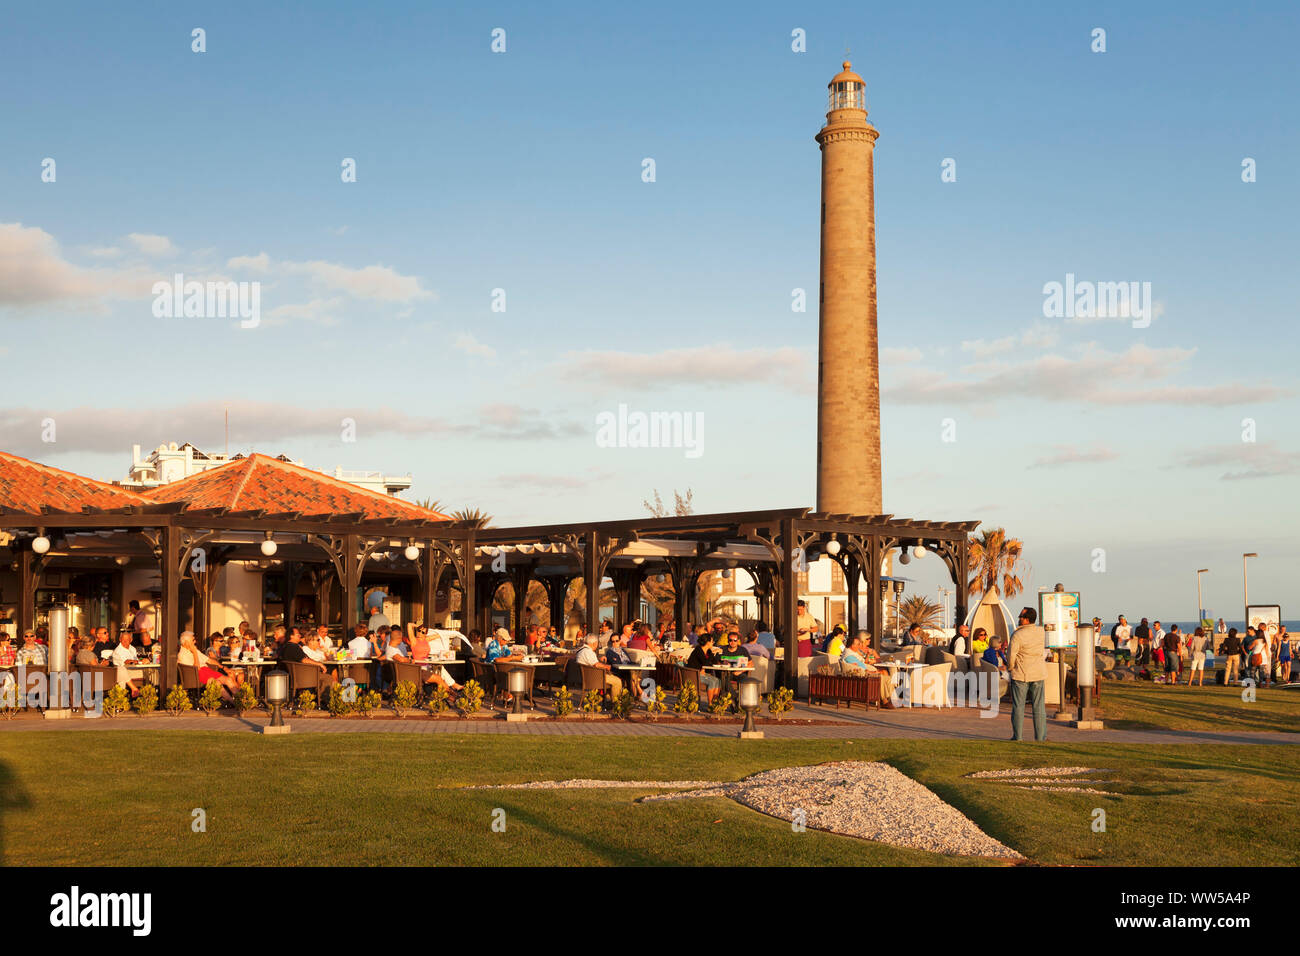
(1025,656)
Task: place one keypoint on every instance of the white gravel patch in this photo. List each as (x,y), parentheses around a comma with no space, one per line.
(581,784)
(1103,793)
(872,801)
(1033,772)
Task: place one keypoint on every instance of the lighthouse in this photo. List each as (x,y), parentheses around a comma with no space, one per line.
(848,370)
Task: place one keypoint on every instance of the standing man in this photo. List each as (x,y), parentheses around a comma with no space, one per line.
(1142,633)
(1220,632)
(1231,650)
(377,617)
(141,628)
(1121,633)
(1025,656)
(805,625)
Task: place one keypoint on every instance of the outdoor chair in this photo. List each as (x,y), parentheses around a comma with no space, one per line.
(486,676)
(90,683)
(409,672)
(503,681)
(303,677)
(691,675)
(188,675)
(31,684)
(360,675)
(593,678)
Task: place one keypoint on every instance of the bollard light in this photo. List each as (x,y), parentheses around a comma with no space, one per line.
(517,680)
(57,660)
(749,698)
(277,695)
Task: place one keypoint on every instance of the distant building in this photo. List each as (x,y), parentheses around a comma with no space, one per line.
(173,462)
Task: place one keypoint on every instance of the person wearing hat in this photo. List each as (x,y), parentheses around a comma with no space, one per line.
(498,647)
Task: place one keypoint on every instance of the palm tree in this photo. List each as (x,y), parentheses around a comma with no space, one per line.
(917,610)
(996,563)
(479,518)
(429,504)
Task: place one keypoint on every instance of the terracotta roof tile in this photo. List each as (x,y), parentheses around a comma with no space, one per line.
(262,482)
(27,486)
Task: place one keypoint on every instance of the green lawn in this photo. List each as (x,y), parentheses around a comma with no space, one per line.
(1139,705)
(126,797)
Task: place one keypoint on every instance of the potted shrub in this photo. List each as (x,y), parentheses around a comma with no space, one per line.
(721,705)
(245,698)
(177,701)
(367,701)
(210,699)
(688,700)
(591,703)
(563,702)
(116,701)
(624,704)
(780,702)
(438,700)
(339,702)
(657,703)
(404,696)
(470,699)
(147,702)
(305,702)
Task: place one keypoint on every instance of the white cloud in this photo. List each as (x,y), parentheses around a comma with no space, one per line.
(1094,377)
(706,365)
(369,282)
(34,272)
(1070,455)
(258,263)
(472,346)
(321,311)
(1036,336)
(151,244)
(897,356)
(1246,460)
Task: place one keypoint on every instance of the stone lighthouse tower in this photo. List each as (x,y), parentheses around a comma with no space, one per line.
(848,371)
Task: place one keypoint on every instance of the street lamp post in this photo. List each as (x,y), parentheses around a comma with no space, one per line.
(1245,593)
(1200,603)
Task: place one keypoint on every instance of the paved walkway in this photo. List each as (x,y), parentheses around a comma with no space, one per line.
(916,724)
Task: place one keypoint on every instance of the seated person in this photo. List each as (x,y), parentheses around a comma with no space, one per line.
(103,642)
(913,635)
(980,640)
(32,654)
(125,654)
(853,656)
(586,656)
(359,647)
(756,648)
(423,647)
(209,669)
(733,653)
(704,656)
(995,654)
(293,652)
(615,655)
(498,648)
(313,650)
(834,645)
(765,637)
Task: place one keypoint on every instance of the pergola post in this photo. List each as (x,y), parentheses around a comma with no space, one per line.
(873,589)
(28,576)
(351,581)
(591,576)
(520,575)
(961,586)
(174,557)
(430,571)
(851,572)
(789,589)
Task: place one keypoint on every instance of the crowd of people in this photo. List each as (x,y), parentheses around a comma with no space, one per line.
(1261,655)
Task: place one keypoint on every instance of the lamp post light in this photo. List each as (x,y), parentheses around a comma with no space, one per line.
(277,695)
(1200,604)
(57,663)
(517,681)
(749,698)
(1245,593)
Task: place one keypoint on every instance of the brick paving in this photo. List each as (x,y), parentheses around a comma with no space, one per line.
(915,724)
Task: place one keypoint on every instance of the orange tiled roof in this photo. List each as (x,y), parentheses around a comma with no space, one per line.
(262,482)
(27,486)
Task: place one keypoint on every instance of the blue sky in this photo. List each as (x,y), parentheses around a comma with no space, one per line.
(522,171)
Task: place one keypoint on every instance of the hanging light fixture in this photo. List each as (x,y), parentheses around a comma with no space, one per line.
(269,547)
(832,547)
(411,552)
(40,543)
(905,557)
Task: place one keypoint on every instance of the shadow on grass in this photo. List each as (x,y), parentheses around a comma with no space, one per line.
(13,797)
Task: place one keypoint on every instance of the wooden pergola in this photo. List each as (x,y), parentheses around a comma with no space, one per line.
(771,546)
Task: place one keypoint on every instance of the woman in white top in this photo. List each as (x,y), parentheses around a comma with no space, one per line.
(314,650)
(191,656)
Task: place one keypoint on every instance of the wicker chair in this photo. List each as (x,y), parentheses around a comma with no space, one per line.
(30,684)
(409,672)
(302,677)
(593,678)
(486,676)
(188,675)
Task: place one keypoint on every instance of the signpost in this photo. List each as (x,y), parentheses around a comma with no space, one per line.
(1059,612)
